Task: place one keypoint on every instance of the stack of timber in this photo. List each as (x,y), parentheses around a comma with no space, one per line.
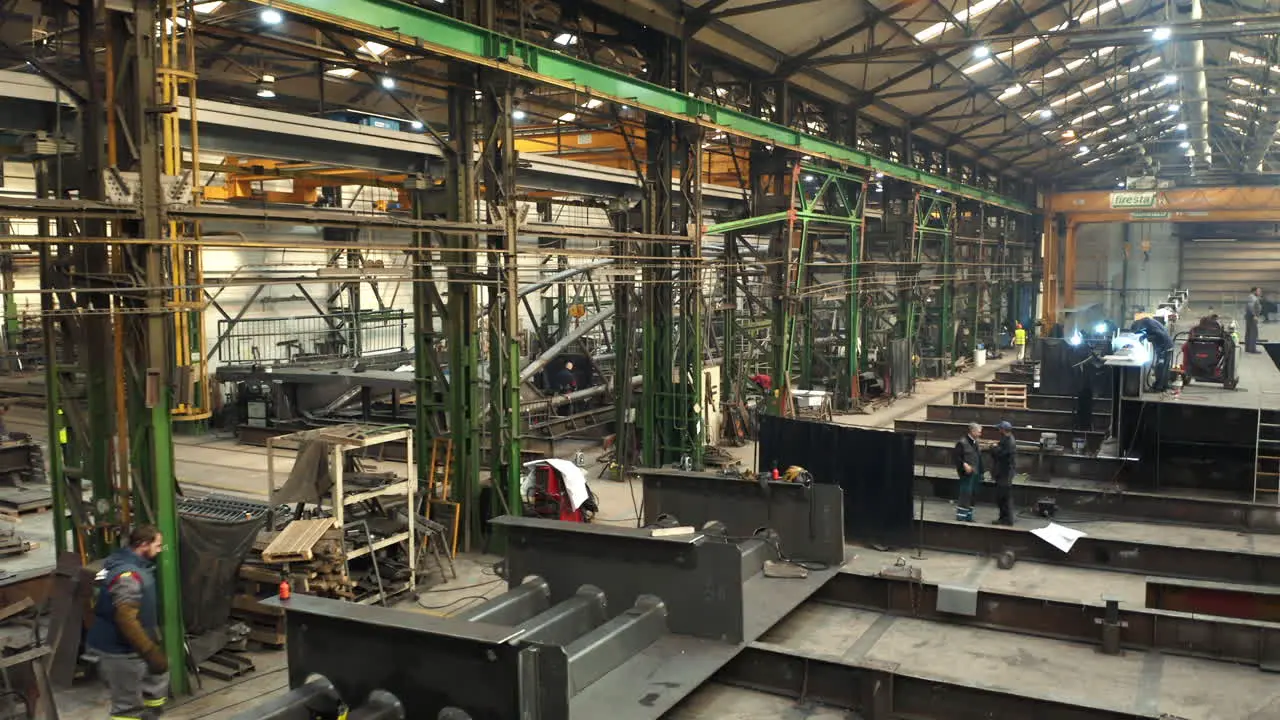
(1005,396)
(306,553)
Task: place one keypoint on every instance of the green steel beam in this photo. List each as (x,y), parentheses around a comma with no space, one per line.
(420,29)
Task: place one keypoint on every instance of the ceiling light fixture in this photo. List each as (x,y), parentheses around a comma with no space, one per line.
(566,39)
(981,51)
(517,114)
(1184,144)
(271,16)
(1169,79)
(1161,34)
(416,124)
(1046,113)
(1181,126)
(567,117)
(387,83)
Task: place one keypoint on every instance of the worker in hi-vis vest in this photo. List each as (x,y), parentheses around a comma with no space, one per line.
(1020,341)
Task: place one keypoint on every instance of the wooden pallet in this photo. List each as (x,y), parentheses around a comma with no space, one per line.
(1005,396)
(296,541)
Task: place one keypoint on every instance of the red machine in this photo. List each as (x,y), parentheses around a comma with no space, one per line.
(547,497)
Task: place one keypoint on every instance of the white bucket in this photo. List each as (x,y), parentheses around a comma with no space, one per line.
(980,356)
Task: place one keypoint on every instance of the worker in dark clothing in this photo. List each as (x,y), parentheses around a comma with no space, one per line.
(566,381)
(1004,454)
(969,467)
(1161,349)
(126,633)
(1252,310)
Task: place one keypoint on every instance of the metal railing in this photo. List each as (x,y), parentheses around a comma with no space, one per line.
(332,336)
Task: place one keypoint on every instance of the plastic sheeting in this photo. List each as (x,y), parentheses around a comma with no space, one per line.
(875,468)
(211,553)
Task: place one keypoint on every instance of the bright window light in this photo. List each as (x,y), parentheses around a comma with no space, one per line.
(1010,91)
(1169,79)
(1173,107)
(566,39)
(207,7)
(1161,34)
(369,47)
(568,117)
(341,72)
(592,104)
(271,16)
(1184,144)
(1045,113)
(973,11)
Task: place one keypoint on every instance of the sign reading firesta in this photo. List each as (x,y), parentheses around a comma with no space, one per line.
(1130,199)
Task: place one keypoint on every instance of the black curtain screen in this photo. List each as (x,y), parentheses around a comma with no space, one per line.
(875,468)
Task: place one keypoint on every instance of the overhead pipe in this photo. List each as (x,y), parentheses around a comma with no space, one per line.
(1196,99)
(555,401)
(540,362)
(562,275)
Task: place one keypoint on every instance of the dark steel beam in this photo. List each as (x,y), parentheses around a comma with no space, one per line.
(1176,633)
(882,691)
(1207,598)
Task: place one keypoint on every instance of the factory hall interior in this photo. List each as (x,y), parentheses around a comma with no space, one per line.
(638,359)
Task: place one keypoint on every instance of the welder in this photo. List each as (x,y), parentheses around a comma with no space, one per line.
(1154,332)
(125,633)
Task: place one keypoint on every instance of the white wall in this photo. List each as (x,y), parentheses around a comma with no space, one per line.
(1102,275)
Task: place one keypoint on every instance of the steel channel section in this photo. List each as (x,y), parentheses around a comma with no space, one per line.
(699,579)
(809,520)
(1205,598)
(513,607)
(381,705)
(1046,420)
(315,697)
(600,651)
(571,619)
(948,429)
(1107,554)
(1177,633)
(364,649)
(882,691)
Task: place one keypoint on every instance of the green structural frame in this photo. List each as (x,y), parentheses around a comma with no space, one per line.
(932,226)
(423,30)
(821,199)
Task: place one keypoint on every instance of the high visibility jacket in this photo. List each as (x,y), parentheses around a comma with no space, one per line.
(1020,337)
(62,428)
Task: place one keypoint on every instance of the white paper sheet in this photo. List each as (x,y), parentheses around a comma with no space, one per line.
(1059,536)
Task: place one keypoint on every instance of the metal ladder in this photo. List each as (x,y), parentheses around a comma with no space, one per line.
(1266,463)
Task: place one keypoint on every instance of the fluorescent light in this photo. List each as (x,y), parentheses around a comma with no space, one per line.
(567,117)
(387,83)
(369,47)
(271,16)
(518,114)
(1161,34)
(981,51)
(1213,239)
(207,7)
(343,72)
(566,39)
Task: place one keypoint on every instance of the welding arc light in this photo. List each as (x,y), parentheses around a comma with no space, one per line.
(1075,339)
(1100,328)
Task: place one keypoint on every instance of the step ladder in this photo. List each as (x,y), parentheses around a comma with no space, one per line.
(1266,464)
(436,503)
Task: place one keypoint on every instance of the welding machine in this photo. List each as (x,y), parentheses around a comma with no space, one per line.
(557,490)
(1209,355)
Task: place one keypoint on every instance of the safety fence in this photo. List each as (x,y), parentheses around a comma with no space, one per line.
(331,336)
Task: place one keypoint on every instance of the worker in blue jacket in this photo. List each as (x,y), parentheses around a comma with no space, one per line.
(126,632)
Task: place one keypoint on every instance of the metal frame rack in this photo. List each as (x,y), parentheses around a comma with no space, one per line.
(353,438)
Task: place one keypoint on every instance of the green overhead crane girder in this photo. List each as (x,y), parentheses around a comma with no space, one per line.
(412,27)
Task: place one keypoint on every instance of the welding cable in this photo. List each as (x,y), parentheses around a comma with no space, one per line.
(468,598)
(763,534)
